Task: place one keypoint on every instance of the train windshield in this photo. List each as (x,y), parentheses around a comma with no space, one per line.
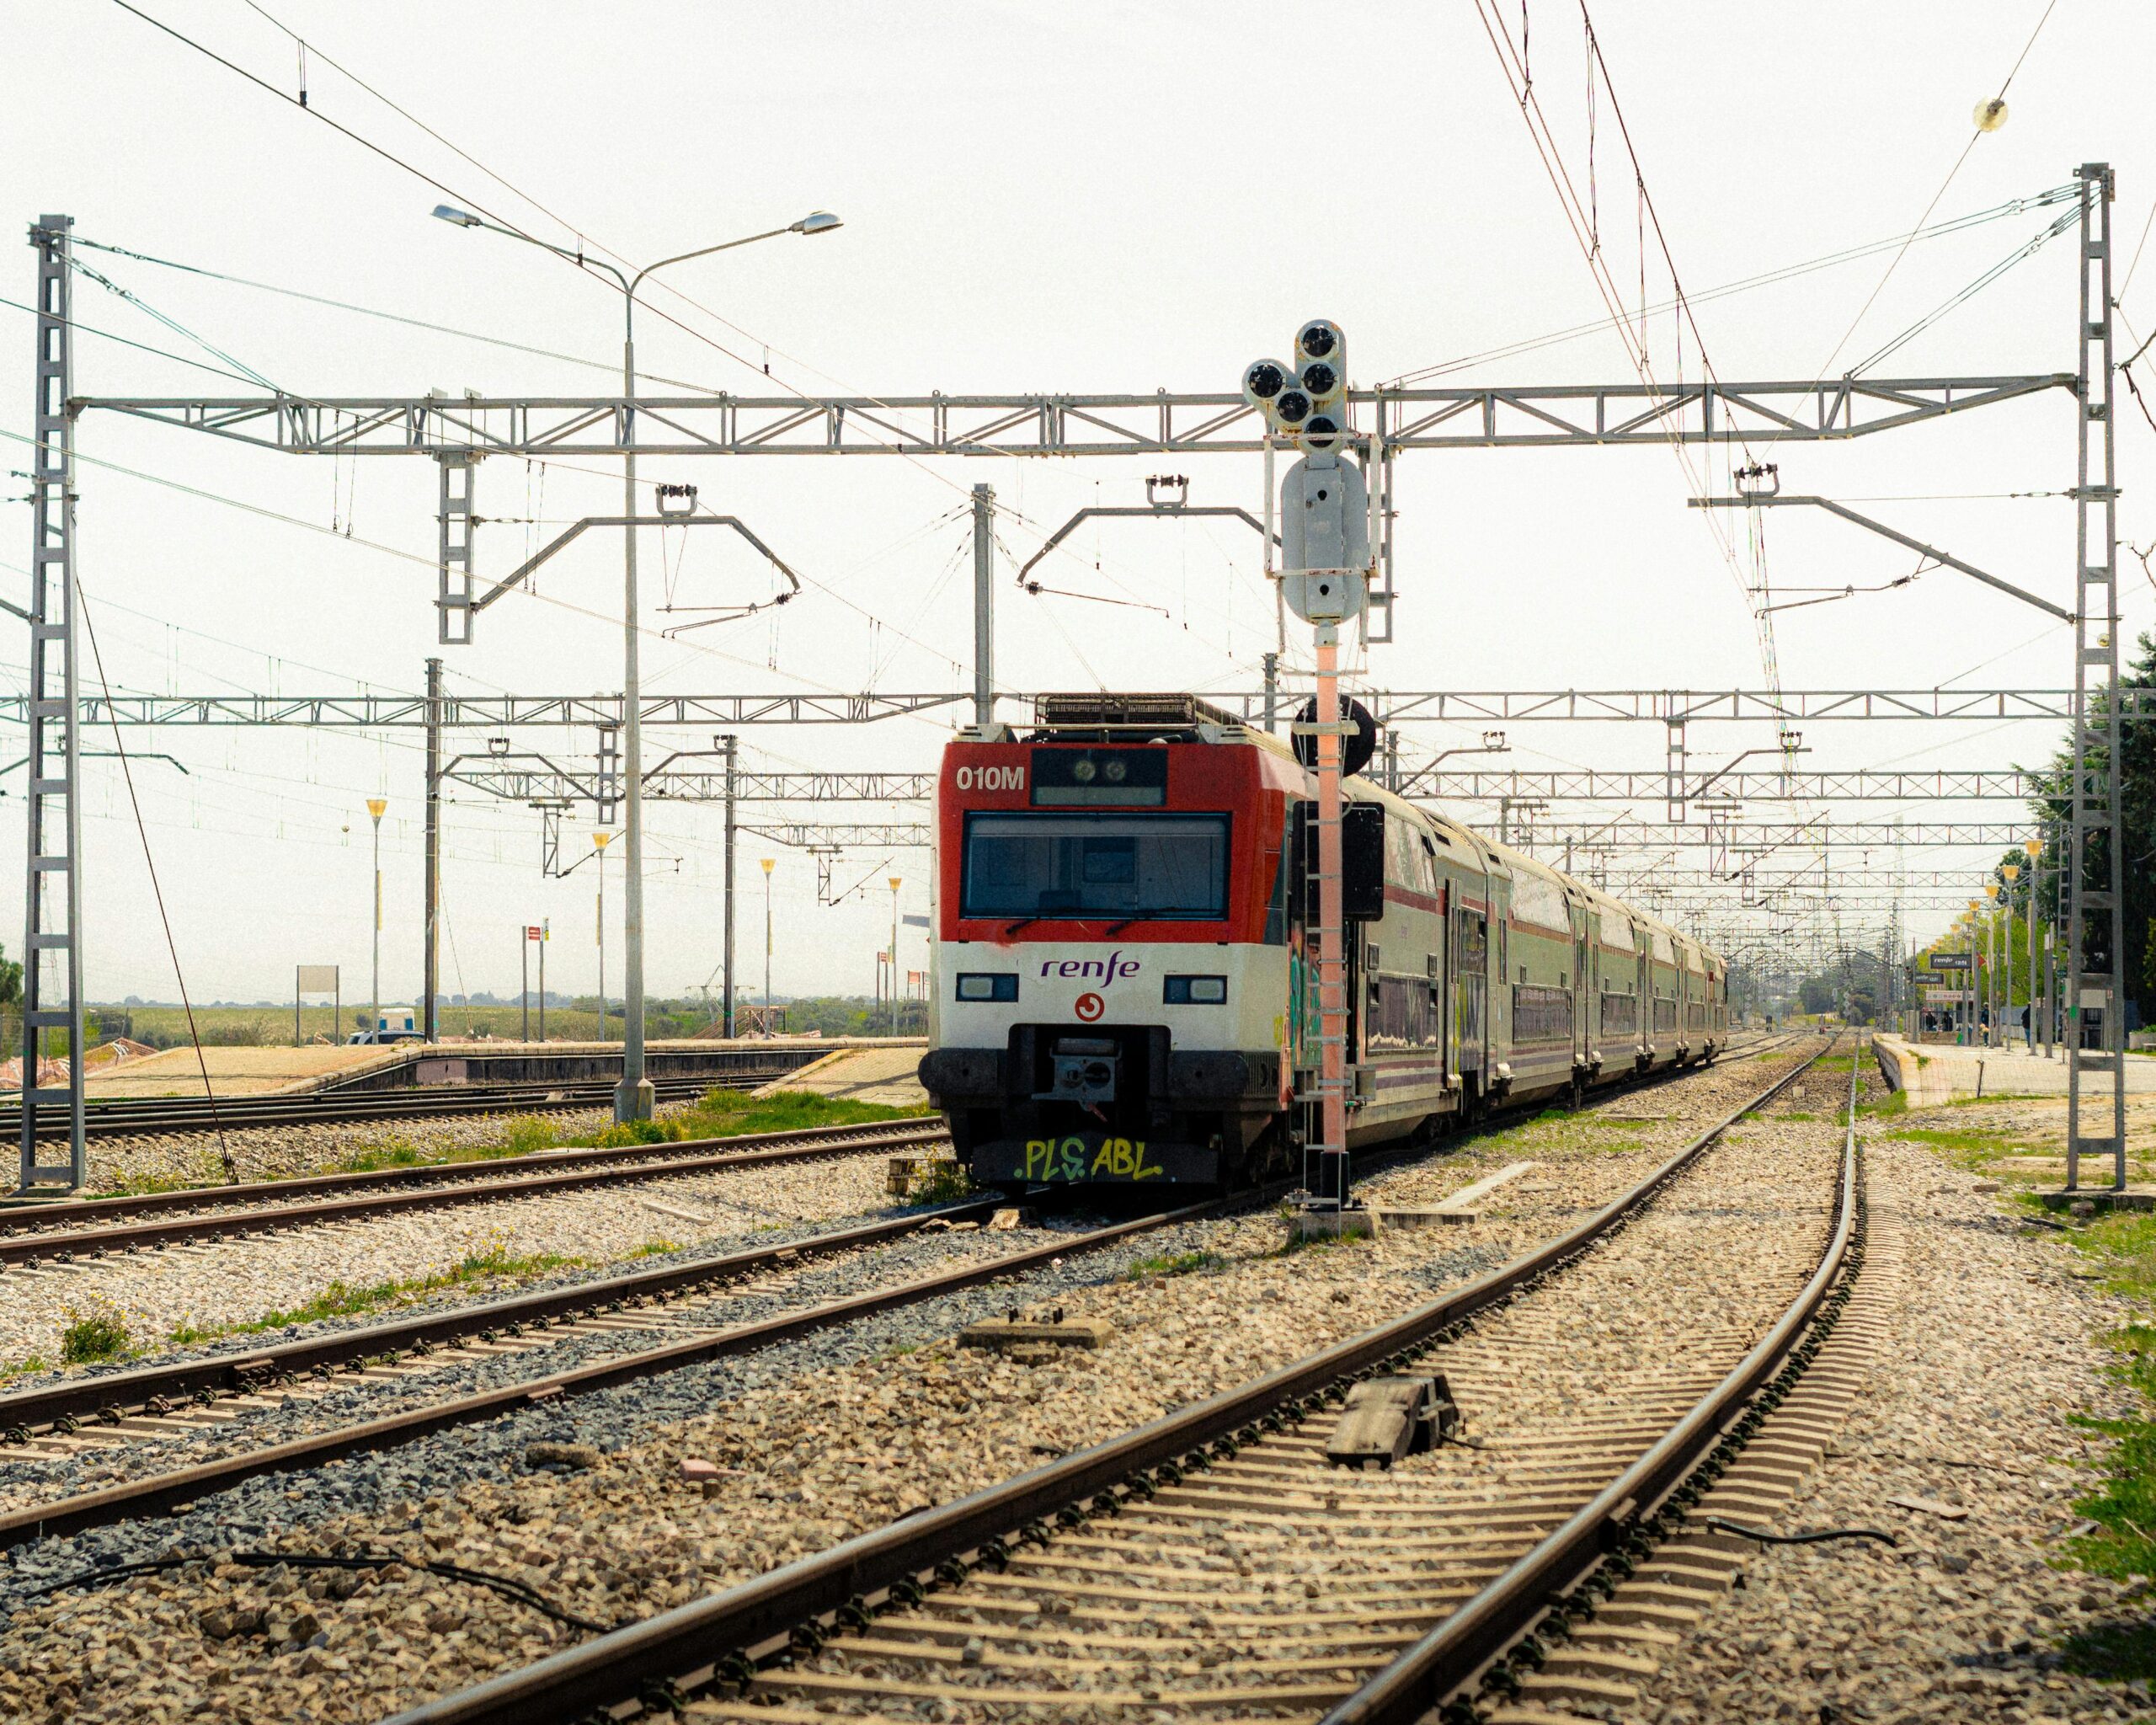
(1124,866)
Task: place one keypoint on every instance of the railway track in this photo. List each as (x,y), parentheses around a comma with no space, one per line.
(67,1232)
(1211,1563)
(681,1306)
(124,1116)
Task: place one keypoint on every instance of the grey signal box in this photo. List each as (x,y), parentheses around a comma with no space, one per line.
(1324,539)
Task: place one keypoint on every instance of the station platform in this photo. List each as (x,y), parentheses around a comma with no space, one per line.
(879,1072)
(314,1068)
(1933,1073)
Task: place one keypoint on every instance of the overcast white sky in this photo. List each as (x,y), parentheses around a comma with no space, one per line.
(1085,197)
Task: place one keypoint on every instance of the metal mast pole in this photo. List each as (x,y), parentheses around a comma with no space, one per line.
(632,1100)
(770,863)
(2093,923)
(730,747)
(375,807)
(1332,935)
(894,955)
(984,605)
(53,919)
(429,1019)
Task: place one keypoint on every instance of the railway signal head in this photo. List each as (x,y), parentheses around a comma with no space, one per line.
(1263,381)
(1304,399)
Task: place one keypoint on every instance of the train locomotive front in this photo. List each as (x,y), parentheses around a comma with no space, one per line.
(1123,902)
(1111,963)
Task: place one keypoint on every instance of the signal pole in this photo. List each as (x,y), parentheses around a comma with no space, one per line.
(1325,573)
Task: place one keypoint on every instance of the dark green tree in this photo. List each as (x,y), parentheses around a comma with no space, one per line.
(2136,917)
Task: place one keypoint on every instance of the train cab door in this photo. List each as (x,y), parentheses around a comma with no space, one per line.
(1582,1024)
(1467,1024)
(1643,990)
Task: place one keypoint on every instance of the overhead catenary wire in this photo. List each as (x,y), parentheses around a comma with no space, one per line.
(156,892)
(1788,272)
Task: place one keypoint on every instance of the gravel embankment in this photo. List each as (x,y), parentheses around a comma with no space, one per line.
(817,1440)
(131,1162)
(1991,1351)
(244,1280)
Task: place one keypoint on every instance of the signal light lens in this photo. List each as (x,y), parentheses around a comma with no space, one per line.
(1292,408)
(1318,339)
(1322,431)
(1319,379)
(1265,380)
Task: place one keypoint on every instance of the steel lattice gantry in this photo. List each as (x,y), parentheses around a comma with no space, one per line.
(458,433)
(490,712)
(1166,422)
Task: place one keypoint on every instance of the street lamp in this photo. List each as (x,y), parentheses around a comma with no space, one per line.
(375,808)
(1991,968)
(633,1099)
(2010,872)
(2039,1001)
(895,883)
(770,864)
(602,840)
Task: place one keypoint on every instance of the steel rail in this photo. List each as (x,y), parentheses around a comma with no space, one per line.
(67,1243)
(106,1394)
(726,1633)
(112,1396)
(165,1491)
(121,1116)
(795,1143)
(1474,1638)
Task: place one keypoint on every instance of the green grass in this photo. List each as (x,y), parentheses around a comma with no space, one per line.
(1894,1102)
(720,1113)
(340,1299)
(2122,1246)
(93,1336)
(941,1180)
(1179,1263)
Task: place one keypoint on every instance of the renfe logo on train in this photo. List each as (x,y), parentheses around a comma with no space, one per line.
(990,778)
(1107,970)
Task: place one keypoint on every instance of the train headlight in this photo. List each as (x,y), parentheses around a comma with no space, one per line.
(1114,772)
(988,986)
(1194,991)
(1082,771)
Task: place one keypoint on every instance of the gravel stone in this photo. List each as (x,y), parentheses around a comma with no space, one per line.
(825,1437)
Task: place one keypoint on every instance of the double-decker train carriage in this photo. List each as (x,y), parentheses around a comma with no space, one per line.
(1122,992)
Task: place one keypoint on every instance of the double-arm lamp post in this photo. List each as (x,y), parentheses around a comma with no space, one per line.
(633,1098)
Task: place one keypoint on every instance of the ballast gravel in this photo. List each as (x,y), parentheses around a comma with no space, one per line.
(144,1160)
(811,1443)
(1993,1351)
(154,1293)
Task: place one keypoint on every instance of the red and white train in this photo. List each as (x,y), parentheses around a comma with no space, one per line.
(1120,993)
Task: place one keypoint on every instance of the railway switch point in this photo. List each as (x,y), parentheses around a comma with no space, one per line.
(1388,1418)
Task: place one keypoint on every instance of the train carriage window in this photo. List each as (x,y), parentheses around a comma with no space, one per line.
(1118,865)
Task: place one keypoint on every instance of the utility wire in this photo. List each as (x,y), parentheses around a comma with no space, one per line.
(1959,161)
(1787,272)
(156,891)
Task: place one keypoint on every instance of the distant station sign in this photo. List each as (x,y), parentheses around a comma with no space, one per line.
(1949,961)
